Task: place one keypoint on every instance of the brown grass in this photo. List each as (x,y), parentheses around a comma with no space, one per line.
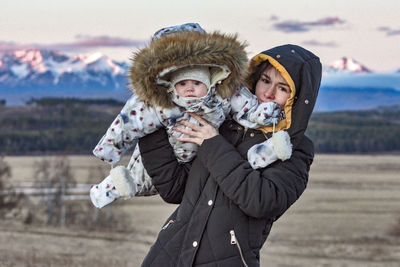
(344,218)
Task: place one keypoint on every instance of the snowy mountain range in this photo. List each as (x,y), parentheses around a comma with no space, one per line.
(346,83)
(37,73)
(345,65)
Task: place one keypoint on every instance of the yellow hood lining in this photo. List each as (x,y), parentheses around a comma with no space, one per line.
(285,123)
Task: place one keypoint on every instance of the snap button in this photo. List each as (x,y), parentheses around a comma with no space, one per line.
(278,56)
(219,82)
(239,128)
(195,244)
(293,51)
(210,202)
(252,134)
(306,101)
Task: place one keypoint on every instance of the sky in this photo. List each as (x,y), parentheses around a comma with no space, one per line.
(366,30)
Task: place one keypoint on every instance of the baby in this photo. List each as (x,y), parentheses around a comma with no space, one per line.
(192,88)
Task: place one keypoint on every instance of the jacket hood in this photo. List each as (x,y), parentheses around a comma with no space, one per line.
(302,70)
(151,65)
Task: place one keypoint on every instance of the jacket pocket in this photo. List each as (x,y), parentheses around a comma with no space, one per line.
(235,242)
(167,224)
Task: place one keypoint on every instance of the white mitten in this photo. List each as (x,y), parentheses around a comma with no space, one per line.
(277,147)
(103,193)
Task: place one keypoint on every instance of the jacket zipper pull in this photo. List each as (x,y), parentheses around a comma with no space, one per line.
(234,241)
(233,237)
(168,223)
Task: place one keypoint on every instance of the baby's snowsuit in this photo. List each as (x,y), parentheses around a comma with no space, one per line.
(139,118)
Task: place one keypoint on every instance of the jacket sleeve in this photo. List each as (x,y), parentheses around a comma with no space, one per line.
(265,193)
(168,176)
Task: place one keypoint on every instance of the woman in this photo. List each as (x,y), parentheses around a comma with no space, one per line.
(227,208)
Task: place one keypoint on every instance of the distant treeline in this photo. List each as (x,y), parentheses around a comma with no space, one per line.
(48,126)
(368,131)
(74,126)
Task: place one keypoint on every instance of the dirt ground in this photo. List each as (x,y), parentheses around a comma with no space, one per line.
(344,218)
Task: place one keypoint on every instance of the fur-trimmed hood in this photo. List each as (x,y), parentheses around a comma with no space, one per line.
(187,48)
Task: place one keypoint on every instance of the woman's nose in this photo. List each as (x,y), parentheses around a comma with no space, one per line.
(270,93)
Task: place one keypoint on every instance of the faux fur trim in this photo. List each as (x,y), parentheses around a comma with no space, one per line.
(123,182)
(186,48)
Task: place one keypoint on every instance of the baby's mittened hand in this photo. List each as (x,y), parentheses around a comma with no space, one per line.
(103,193)
(277,147)
(282,145)
(261,155)
(267,113)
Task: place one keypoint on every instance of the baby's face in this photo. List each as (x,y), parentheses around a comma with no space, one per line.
(191,88)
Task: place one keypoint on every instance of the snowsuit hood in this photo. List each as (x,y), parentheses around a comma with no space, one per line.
(302,70)
(222,52)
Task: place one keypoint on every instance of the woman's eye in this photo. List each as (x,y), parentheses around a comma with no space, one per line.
(265,80)
(283,89)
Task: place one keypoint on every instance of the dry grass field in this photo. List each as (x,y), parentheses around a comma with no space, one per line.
(344,218)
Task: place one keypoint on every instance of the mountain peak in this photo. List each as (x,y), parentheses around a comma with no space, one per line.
(29,55)
(348,64)
(45,67)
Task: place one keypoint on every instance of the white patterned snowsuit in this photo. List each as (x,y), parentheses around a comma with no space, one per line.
(138,119)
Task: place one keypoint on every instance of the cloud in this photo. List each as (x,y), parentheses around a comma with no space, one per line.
(9,46)
(83,42)
(389,31)
(319,43)
(290,26)
(274,18)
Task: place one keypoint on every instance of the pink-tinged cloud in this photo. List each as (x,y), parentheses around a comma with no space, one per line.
(273,18)
(389,31)
(10,46)
(82,43)
(290,26)
(319,43)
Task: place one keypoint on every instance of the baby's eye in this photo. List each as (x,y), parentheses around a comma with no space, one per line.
(197,82)
(182,83)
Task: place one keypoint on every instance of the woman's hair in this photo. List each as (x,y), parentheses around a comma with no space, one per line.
(256,74)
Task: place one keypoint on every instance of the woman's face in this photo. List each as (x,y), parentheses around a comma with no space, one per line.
(272,87)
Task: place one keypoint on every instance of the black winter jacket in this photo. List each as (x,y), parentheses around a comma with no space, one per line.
(230,196)
(226,208)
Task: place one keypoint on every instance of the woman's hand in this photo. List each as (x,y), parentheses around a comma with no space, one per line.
(198,133)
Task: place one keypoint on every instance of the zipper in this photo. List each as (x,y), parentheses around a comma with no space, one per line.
(167,224)
(234,241)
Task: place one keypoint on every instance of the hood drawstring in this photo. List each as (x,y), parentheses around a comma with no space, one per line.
(273,127)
